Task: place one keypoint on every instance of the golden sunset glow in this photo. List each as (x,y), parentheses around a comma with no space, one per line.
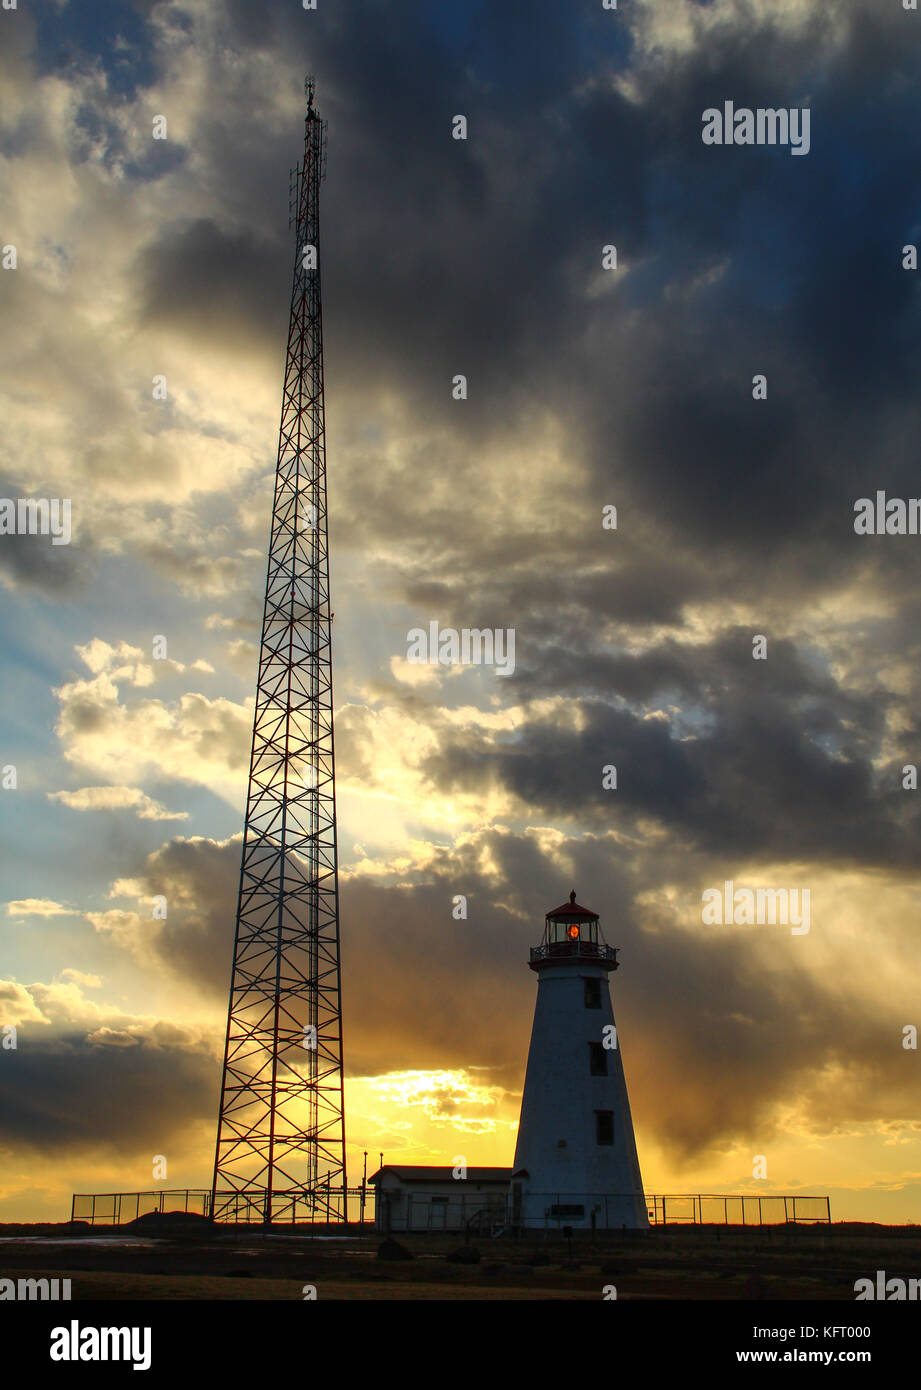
(600,620)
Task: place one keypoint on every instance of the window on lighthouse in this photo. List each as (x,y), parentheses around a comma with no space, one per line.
(598,1059)
(604,1126)
(593,993)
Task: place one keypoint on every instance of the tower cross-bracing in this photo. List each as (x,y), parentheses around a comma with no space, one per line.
(280,1153)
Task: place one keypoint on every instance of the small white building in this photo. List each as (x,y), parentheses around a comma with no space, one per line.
(432,1199)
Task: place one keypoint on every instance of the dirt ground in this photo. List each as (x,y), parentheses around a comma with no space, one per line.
(170,1261)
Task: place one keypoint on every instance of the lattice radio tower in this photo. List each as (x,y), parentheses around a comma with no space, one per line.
(280,1152)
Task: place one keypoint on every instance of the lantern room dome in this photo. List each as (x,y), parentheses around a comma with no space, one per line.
(572,909)
(572,933)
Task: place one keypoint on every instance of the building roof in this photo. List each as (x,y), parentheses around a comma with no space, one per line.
(572,909)
(446,1174)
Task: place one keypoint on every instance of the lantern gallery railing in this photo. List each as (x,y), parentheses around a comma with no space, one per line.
(588,950)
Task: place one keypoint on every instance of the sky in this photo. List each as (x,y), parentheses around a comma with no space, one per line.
(587,388)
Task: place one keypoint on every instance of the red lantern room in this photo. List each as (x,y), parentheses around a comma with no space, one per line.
(572,932)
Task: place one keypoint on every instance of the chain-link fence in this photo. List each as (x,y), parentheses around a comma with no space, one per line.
(118,1208)
(493,1214)
(483,1214)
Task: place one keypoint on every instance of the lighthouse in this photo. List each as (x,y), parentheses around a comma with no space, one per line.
(575,1161)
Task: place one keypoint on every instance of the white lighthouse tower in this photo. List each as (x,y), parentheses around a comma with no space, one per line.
(575,1162)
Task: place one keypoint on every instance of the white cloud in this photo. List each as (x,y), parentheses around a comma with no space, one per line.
(64,1006)
(116,735)
(113,1037)
(122,662)
(17,1006)
(116,799)
(38,907)
(81,978)
(125,928)
(419,672)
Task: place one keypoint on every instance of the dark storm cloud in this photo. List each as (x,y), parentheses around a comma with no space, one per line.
(474,257)
(199,879)
(720,496)
(32,561)
(715,1041)
(717,1044)
(720,1030)
(56,564)
(767,760)
(215,283)
(104,1090)
(443,256)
